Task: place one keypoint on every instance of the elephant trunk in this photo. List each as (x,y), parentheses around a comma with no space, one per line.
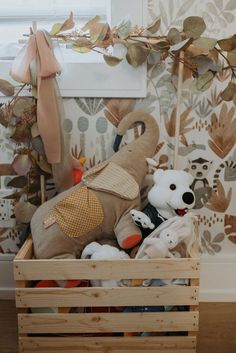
(132,157)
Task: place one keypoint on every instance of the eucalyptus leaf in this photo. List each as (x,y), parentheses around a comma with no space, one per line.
(80,49)
(98,32)
(22,164)
(112,60)
(154,26)
(23,104)
(228,93)
(154,57)
(59,27)
(181,45)
(18,182)
(6,88)
(204,63)
(231,56)
(21,133)
(44,166)
(194,26)
(205,43)
(174,36)
(136,55)
(35,130)
(124,28)
(228,44)
(90,23)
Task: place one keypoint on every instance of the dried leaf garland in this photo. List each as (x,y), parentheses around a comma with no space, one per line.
(59,27)
(22,164)
(6,88)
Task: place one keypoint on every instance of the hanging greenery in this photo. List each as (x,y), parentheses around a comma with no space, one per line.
(204,57)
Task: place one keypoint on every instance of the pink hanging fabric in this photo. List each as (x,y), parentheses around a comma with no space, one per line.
(37,65)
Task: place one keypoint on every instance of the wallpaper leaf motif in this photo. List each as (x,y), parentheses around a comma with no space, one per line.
(231,5)
(215,98)
(219,201)
(90,106)
(211,244)
(185,121)
(222,131)
(117,109)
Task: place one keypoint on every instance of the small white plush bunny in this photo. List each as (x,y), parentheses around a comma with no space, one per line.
(96,251)
(159,243)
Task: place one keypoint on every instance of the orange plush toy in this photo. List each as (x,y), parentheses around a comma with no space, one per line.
(77,163)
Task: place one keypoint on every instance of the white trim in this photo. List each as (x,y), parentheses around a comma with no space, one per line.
(7,283)
(89,79)
(218,279)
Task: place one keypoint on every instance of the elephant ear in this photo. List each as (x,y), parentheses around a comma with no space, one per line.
(111,178)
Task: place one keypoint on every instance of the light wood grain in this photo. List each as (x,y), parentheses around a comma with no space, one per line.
(216,332)
(178,108)
(124,296)
(107,344)
(107,322)
(26,251)
(105,269)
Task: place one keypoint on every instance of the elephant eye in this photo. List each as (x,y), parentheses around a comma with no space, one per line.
(172,186)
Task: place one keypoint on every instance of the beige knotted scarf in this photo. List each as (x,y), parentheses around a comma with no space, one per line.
(36,65)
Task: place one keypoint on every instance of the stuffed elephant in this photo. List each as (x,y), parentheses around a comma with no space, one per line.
(98,207)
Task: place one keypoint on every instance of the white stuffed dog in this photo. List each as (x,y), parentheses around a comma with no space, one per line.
(169,196)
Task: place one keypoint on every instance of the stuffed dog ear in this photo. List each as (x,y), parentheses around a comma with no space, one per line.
(158,175)
(90,249)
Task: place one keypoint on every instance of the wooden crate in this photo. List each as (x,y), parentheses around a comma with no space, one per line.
(57,332)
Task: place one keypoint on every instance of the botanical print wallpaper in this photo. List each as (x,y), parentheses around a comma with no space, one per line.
(207,146)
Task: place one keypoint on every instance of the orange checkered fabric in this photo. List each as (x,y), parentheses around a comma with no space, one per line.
(78,213)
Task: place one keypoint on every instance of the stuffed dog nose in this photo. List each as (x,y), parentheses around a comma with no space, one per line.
(188,198)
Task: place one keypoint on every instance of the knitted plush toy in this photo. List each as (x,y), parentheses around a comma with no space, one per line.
(169,196)
(165,238)
(98,207)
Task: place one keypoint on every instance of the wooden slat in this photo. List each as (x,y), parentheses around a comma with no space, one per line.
(107,322)
(26,251)
(120,296)
(108,269)
(107,344)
